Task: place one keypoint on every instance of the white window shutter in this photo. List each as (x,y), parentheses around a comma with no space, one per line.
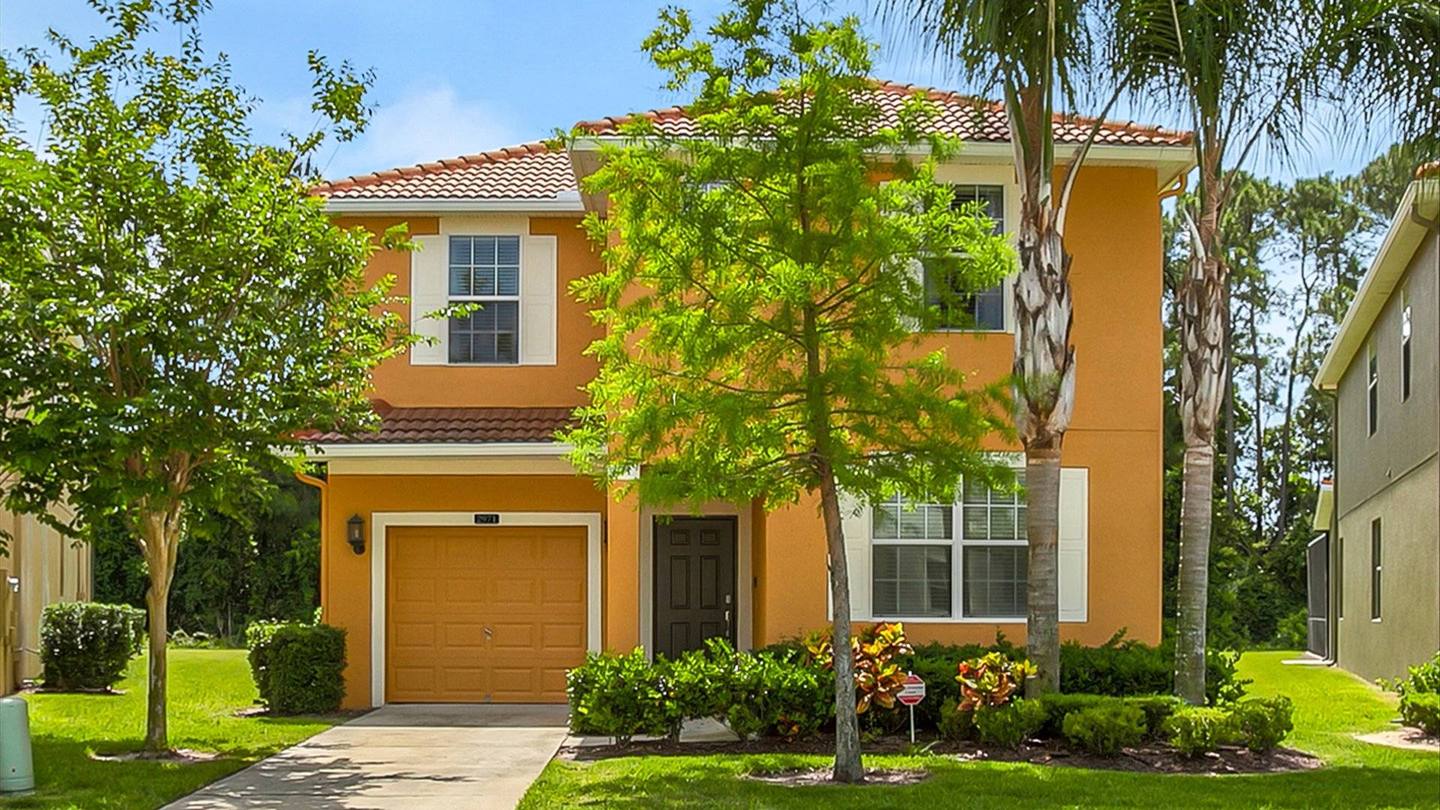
(429,292)
(855,523)
(917,270)
(537,300)
(1074,562)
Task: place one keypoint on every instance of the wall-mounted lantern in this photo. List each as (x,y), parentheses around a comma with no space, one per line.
(355,533)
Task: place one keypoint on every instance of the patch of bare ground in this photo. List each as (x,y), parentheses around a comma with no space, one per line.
(821,776)
(179,756)
(1148,758)
(1403,737)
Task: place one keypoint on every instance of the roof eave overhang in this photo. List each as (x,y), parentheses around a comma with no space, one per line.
(1169,161)
(1396,250)
(567,204)
(324,452)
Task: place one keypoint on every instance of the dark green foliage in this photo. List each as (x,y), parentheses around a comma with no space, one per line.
(1060,704)
(1198,730)
(954,725)
(1157,709)
(1124,666)
(786,697)
(1421,710)
(1009,725)
(262,562)
(1105,729)
(86,645)
(1263,723)
(298,668)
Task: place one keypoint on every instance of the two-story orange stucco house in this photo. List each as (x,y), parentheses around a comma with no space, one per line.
(469,561)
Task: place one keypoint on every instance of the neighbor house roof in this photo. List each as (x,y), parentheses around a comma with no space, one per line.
(542,177)
(468,425)
(1418,211)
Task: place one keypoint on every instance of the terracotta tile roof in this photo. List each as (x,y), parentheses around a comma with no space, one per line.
(959,115)
(534,171)
(528,171)
(430,425)
(1428,170)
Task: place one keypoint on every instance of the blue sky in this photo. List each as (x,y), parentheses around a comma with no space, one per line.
(455,77)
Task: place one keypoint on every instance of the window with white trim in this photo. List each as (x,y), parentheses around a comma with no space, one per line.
(485,270)
(962,309)
(1405,330)
(966,559)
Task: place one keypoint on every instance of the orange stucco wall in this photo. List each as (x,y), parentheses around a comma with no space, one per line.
(1114,238)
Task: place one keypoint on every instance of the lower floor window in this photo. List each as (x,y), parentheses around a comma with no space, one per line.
(995,581)
(912,580)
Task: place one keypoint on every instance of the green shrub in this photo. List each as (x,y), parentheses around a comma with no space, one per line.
(789,695)
(954,725)
(1422,710)
(1420,679)
(617,696)
(1197,730)
(1105,729)
(1011,724)
(86,645)
(1157,709)
(298,668)
(1122,667)
(1059,704)
(1263,723)
(696,685)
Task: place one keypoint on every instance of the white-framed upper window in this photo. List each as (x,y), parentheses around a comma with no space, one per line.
(960,310)
(1405,331)
(1372,390)
(966,559)
(485,270)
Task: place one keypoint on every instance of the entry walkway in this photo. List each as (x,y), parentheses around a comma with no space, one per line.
(454,757)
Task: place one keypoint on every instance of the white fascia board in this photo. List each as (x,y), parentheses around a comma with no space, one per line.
(322,452)
(1396,250)
(567,204)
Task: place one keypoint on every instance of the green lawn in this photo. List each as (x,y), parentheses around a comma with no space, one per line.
(1330,706)
(206,687)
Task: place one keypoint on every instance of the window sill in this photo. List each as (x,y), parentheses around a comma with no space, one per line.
(482,365)
(945,620)
(955,330)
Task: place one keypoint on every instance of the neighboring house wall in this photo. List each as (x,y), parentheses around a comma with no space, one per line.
(46,567)
(1393,476)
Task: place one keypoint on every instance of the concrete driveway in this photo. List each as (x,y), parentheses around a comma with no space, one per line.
(454,757)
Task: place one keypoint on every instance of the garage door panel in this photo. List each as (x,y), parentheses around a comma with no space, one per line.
(446,585)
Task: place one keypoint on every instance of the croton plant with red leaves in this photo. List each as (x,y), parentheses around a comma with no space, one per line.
(878,677)
(990,681)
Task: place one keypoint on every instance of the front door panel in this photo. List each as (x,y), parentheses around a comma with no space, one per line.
(694,583)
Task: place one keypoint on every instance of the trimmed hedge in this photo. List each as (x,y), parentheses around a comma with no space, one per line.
(298,668)
(1199,730)
(1011,724)
(86,645)
(1421,710)
(1262,723)
(1105,729)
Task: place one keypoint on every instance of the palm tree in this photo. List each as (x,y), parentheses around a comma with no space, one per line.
(1248,72)
(1029,51)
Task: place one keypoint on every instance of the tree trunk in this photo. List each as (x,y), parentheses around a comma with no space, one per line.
(1195,509)
(848,767)
(1203,324)
(157,600)
(1042,526)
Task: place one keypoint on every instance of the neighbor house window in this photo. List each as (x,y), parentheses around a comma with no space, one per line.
(1340,578)
(1372,389)
(961,309)
(946,560)
(485,270)
(1405,328)
(1375,569)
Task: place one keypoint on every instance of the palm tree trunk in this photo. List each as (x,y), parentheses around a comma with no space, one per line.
(1195,510)
(1042,526)
(848,767)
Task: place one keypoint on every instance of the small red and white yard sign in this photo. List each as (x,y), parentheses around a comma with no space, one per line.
(914,690)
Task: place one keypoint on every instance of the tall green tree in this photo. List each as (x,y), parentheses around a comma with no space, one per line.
(761,298)
(1247,72)
(1033,53)
(175,307)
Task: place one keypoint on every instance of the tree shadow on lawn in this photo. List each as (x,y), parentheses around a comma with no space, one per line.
(716,781)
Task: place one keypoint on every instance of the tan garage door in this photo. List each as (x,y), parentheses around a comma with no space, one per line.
(480,614)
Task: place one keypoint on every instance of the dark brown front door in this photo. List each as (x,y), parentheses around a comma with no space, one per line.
(694,582)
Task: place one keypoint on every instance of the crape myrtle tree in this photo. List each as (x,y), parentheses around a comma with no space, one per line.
(176,309)
(1032,53)
(762,298)
(1247,73)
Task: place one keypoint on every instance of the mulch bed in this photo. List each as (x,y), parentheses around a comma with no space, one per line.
(821,776)
(1146,758)
(181,756)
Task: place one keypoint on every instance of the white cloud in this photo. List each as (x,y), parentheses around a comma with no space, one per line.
(426,124)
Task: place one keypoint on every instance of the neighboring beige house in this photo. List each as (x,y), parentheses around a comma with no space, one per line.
(1384,512)
(42,567)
